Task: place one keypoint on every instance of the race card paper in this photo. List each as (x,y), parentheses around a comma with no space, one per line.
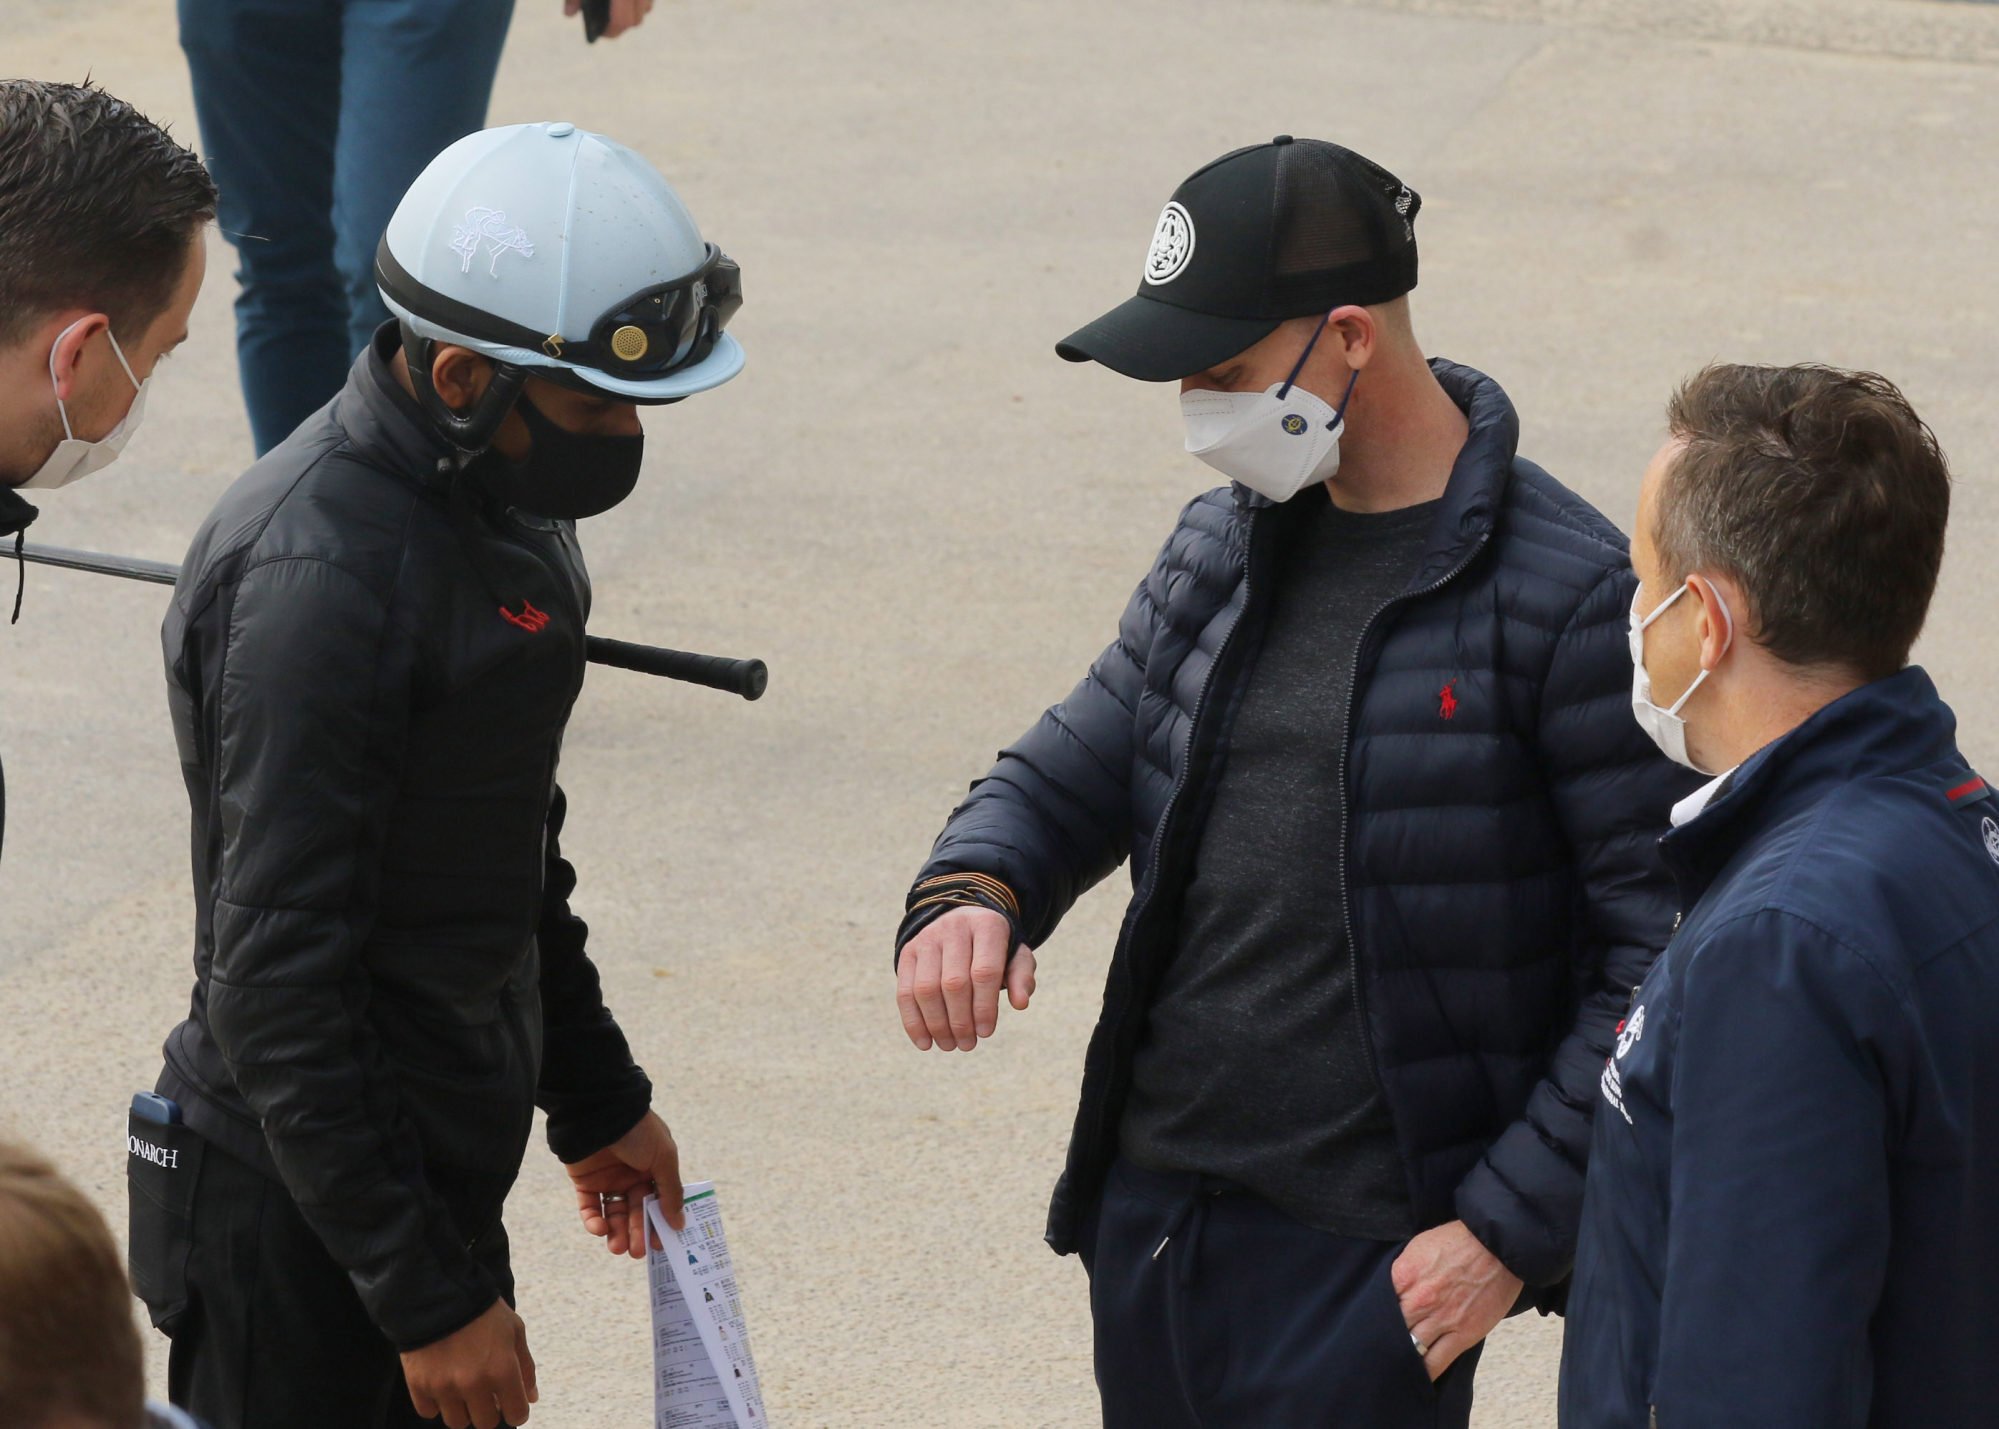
(703,1375)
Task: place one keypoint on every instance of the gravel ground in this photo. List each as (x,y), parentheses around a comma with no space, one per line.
(927,524)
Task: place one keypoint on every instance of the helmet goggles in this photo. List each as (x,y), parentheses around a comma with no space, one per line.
(663,328)
(655,332)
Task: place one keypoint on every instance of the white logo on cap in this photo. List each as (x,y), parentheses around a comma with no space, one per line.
(490,227)
(1991,831)
(1172,245)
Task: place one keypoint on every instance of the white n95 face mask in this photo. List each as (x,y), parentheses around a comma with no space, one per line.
(74,458)
(1276,442)
(1665,726)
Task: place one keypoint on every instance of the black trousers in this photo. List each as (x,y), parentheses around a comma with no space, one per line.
(1215,1310)
(267,1331)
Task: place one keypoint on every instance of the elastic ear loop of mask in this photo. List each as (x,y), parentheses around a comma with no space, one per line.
(69,433)
(1728,620)
(1339,413)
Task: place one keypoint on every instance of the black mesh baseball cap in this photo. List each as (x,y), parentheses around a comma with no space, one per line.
(1275,231)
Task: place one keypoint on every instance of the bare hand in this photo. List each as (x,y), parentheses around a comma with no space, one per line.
(481,1375)
(1453,1291)
(625,15)
(642,1162)
(947,983)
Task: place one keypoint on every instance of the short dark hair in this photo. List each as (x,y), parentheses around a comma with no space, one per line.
(98,206)
(68,1347)
(1823,495)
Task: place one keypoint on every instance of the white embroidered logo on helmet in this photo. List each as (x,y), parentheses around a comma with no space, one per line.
(488,226)
(1172,245)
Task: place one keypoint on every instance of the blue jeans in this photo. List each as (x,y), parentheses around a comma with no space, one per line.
(317,115)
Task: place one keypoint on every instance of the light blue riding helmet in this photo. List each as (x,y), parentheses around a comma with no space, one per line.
(563,254)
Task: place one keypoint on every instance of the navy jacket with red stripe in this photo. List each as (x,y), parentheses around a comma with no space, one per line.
(1793,1207)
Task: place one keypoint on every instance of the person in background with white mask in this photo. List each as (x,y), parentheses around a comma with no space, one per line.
(1789,1210)
(101,259)
(101,216)
(1365,735)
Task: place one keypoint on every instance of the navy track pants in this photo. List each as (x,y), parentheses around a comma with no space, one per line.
(1215,1310)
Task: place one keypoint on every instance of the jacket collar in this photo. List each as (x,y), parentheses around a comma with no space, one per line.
(1471,500)
(16,514)
(1470,504)
(1889,726)
(382,421)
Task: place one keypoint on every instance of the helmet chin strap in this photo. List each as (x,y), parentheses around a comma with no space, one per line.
(471,432)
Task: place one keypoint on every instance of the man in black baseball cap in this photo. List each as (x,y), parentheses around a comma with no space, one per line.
(1282,230)
(1365,733)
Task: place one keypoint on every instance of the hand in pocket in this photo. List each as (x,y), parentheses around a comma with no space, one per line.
(1453,1291)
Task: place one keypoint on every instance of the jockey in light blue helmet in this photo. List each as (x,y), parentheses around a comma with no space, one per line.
(560,254)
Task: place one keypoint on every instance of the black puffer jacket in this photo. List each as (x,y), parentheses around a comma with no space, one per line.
(387,974)
(1503,882)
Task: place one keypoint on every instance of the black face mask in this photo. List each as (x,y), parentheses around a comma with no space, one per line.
(567,475)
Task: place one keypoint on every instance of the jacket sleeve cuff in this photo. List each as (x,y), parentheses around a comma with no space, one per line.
(582,1126)
(1505,1223)
(440,1320)
(934,897)
(424,1297)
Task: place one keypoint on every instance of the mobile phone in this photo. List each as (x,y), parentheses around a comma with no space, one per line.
(151,1106)
(596,15)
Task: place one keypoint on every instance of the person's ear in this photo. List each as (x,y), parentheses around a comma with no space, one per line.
(459,375)
(68,348)
(1352,331)
(1714,624)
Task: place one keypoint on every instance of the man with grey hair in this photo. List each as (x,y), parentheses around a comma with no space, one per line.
(1795,1157)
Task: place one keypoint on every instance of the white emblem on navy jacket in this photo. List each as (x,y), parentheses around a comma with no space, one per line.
(490,227)
(1172,245)
(1634,1028)
(1612,1083)
(1992,838)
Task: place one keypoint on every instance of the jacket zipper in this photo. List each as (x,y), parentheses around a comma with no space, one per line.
(1166,825)
(1142,905)
(1638,987)
(1346,805)
(515,534)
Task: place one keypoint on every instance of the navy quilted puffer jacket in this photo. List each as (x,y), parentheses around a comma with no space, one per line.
(1503,881)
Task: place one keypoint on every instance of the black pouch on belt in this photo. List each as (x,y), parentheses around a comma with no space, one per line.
(162,1168)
